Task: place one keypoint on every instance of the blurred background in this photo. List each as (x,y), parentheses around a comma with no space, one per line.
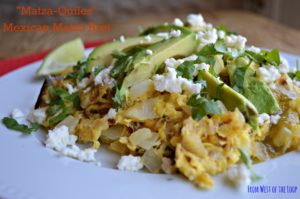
(267,23)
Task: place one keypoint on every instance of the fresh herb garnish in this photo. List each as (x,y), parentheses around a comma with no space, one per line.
(117,98)
(218,48)
(247,161)
(11,123)
(118,54)
(265,57)
(296,74)
(61,104)
(124,63)
(80,70)
(186,69)
(238,78)
(202,107)
(273,57)
(97,70)
(208,50)
(59,117)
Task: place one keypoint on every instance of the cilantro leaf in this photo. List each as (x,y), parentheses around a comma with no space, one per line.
(117,98)
(238,77)
(53,109)
(208,50)
(264,57)
(273,57)
(11,123)
(210,60)
(118,54)
(256,57)
(186,69)
(71,75)
(98,69)
(202,107)
(220,47)
(80,70)
(59,117)
(247,161)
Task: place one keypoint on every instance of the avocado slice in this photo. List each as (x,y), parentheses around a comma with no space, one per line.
(261,96)
(231,99)
(252,88)
(144,66)
(102,54)
(162,28)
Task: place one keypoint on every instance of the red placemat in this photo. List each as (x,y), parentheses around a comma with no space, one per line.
(9,65)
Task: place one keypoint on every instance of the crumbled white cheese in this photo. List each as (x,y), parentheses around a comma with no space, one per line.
(111,114)
(60,140)
(19,116)
(289,93)
(130,163)
(207,37)
(221,34)
(70,88)
(273,86)
(167,82)
(38,115)
(164,35)
(284,66)
(268,73)
(173,63)
(263,118)
(198,67)
(190,58)
(254,49)
(122,39)
(296,82)
(17,113)
(235,41)
(274,119)
(190,86)
(83,83)
(104,78)
(171,83)
(148,38)
(266,118)
(202,66)
(196,20)
(175,33)
(149,52)
(239,175)
(178,22)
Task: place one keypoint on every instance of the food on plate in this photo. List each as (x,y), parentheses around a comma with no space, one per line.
(185,97)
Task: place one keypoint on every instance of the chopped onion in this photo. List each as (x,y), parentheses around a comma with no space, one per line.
(70,121)
(112,134)
(144,138)
(152,161)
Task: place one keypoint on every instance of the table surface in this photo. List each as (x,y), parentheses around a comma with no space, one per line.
(260,31)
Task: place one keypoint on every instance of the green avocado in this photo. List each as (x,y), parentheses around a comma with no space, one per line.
(231,99)
(242,79)
(261,96)
(162,28)
(145,66)
(102,54)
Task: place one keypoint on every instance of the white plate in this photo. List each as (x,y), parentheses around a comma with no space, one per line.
(29,170)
